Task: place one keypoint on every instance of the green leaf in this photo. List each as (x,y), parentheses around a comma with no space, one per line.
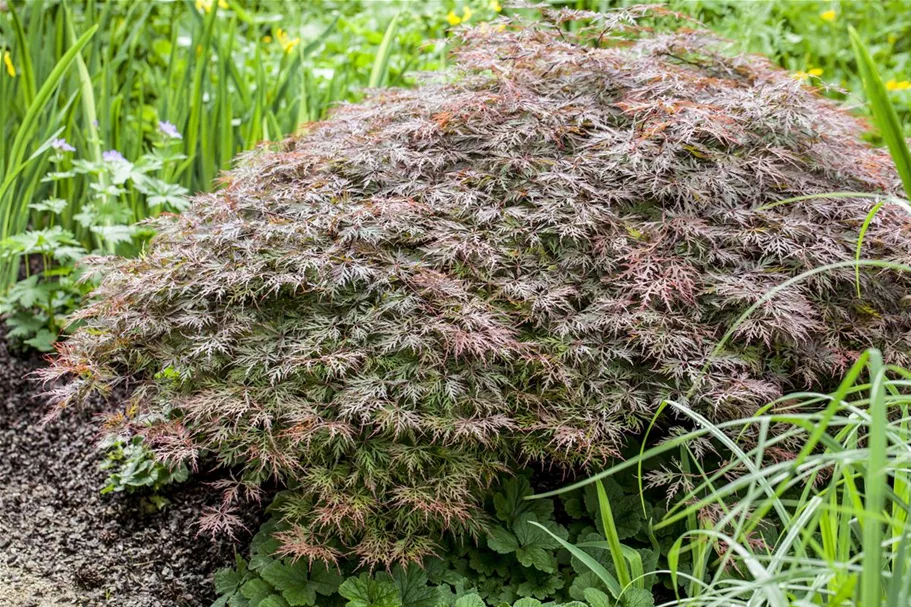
(273,600)
(381,64)
(488,563)
(227,581)
(413,588)
(43,342)
(502,541)
(238,600)
(324,580)
(608,523)
(510,503)
(256,590)
(470,600)
(637,597)
(627,509)
(365,591)
(291,580)
(596,598)
(609,580)
(541,586)
(584,581)
(527,603)
(538,558)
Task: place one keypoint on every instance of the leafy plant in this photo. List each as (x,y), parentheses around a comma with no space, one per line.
(36,307)
(132,467)
(388,312)
(507,568)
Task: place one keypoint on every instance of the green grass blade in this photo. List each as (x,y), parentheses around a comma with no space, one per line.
(860,242)
(380,69)
(13,214)
(883,110)
(597,568)
(610,532)
(28,71)
(875,485)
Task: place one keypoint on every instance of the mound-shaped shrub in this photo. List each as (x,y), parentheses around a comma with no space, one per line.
(516,264)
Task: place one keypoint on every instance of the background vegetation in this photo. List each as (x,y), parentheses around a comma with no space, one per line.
(103,79)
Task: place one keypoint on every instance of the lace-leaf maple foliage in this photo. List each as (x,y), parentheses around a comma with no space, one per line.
(513,263)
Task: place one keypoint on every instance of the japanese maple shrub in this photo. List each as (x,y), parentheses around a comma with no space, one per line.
(517,263)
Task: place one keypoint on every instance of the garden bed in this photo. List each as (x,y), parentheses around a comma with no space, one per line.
(62,542)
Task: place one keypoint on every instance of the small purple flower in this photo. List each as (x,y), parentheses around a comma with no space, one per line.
(169,130)
(62,146)
(113,156)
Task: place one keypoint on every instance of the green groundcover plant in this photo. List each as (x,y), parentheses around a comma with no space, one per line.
(518,263)
(514,564)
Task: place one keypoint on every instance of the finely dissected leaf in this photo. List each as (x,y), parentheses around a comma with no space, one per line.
(517,263)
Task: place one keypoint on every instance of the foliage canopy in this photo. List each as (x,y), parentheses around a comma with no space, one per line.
(515,264)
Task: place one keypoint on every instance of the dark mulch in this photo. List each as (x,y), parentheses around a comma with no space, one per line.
(61,542)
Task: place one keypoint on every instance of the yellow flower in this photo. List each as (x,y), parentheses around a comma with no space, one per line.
(828,16)
(466,13)
(496,6)
(894,85)
(816,71)
(286,43)
(10,68)
(267,39)
(453,19)
(205,6)
(288,46)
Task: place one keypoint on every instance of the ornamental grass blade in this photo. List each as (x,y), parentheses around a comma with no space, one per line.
(883,111)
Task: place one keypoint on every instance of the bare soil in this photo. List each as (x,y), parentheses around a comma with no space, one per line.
(61,542)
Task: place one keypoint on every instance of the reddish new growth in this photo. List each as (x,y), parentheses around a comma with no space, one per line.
(436,285)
